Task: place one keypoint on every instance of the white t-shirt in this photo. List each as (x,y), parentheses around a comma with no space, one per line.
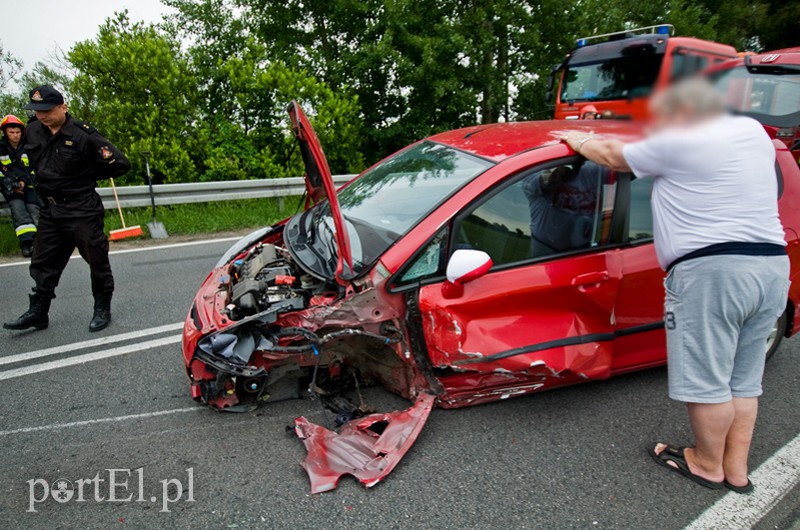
(714,183)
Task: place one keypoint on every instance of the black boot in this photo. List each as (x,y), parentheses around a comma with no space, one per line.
(102,312)
(35,317)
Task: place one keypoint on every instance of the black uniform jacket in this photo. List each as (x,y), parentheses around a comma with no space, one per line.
(14,163)
(69,163)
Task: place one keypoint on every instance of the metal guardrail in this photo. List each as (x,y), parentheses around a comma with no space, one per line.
(195,192)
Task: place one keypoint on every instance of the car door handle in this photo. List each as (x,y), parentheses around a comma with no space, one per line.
(590,278)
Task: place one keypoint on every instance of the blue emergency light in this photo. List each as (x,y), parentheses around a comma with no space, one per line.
(663,29)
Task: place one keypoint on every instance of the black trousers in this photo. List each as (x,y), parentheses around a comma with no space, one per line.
(61,230)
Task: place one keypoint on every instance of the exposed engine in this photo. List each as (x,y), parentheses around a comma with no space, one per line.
(265,277)
(260,358)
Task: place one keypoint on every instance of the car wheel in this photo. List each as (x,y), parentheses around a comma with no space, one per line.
(776,335)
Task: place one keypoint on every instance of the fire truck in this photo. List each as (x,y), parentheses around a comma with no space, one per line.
(765,87)
(616,72)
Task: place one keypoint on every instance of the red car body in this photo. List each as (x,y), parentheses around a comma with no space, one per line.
(453,331)
(527,325)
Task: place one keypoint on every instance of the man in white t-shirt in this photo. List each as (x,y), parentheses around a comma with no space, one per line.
(719,237)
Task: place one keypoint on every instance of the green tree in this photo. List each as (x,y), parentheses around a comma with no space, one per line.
(246,88)
(262,93)
(780,29)
(10,68)
(417,66)
(141,93)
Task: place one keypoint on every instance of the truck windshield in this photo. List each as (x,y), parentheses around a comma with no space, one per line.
(618,78)
(771,98)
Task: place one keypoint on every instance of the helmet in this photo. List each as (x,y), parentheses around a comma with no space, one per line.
(588,109)
(11,121)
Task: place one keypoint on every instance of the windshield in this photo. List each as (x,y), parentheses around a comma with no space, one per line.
(771,98)
(382,206)
(618,78)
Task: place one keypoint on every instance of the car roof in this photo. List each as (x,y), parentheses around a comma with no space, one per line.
(499,141)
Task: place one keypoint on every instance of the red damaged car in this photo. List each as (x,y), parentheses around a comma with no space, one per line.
(472,266)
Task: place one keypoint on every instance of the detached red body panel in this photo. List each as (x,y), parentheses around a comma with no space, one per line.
(367,448)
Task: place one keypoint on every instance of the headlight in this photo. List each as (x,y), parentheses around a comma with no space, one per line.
(247,241)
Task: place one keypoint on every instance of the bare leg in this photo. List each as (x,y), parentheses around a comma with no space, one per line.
(737,445)
(711,424)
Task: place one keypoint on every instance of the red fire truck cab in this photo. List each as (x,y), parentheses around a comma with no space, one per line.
(616,72)
(765,87)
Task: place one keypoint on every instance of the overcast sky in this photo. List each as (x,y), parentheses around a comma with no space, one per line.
(35,27)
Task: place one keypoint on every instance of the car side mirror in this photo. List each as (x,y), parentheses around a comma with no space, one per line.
(463,267)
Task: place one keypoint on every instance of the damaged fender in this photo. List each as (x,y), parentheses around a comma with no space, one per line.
(367,448)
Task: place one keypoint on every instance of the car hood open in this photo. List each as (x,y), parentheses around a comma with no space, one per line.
(320,186)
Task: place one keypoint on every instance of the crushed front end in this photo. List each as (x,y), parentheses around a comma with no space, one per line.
(263,329)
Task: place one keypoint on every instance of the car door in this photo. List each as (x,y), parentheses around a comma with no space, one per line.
(545,308)
(639,311)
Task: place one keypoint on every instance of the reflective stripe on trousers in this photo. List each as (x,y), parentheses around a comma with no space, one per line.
(25,229)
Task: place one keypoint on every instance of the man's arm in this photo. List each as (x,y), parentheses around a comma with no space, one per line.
(607,153)
(109,160)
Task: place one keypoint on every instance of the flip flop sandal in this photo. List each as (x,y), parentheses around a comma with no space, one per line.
(676,456)
(747,488)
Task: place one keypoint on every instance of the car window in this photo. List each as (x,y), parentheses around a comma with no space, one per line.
(429,262)
(543,213)
(678,65)
(640,226)
(686,64)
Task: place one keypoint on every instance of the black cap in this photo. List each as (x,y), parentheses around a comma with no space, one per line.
(44,97)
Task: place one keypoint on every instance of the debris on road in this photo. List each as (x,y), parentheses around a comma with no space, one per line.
(367,448)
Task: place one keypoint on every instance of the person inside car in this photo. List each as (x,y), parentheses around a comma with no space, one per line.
(562,204)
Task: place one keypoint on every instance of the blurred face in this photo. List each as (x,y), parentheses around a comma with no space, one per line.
(14,135)
(663,116)
(53,118)
(589,116)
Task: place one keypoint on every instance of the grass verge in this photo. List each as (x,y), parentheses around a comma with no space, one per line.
(186,219)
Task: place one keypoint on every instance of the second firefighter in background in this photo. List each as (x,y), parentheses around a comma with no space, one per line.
(17,183)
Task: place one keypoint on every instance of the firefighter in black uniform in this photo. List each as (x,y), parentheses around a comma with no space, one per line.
(68,157)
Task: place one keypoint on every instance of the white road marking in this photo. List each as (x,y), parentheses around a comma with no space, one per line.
(56,426)
(143,249)
(175,245)
(773,480)
(94,356)
(38,354)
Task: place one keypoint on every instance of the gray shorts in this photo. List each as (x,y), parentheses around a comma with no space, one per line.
(718,313)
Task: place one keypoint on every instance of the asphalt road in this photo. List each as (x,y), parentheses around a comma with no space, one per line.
(571,458)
